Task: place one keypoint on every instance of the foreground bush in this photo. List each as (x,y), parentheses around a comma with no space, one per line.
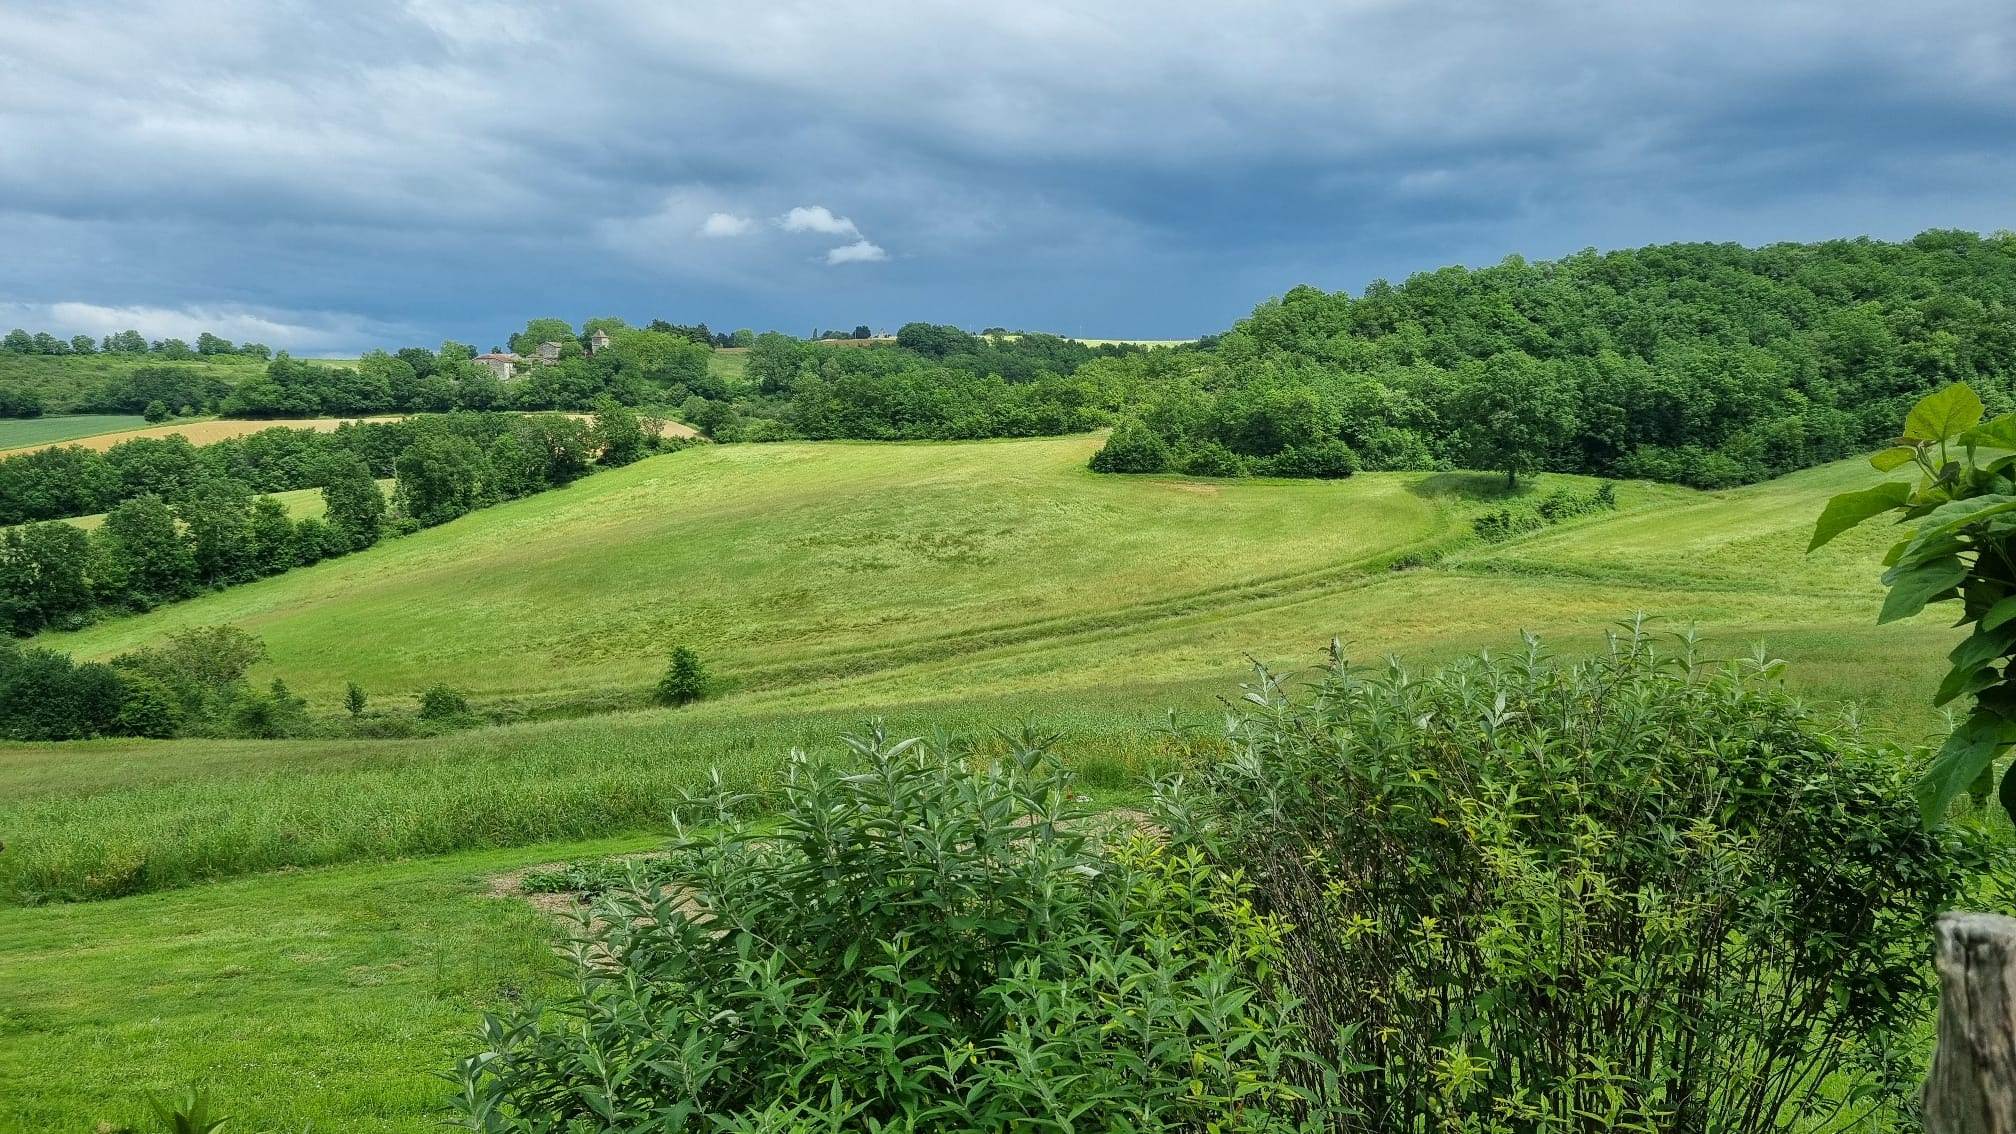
(1632,892)
(913,946)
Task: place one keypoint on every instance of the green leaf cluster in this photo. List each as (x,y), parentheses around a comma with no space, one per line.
(1636,892)
(924,940)
(1962,549)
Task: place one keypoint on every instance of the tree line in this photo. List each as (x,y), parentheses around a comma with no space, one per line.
(1703,364)
(181,520)
(932,383)
(18,341)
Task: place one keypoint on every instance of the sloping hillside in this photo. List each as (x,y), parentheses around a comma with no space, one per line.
(783,563)
(845,574)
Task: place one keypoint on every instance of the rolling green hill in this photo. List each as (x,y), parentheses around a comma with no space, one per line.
(967,587)
(785,564)
(832,575)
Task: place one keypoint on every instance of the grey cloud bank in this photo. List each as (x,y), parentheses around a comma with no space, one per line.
(338,177)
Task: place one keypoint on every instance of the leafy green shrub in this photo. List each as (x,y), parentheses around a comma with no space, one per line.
(1209,458)
(1959,551)
(1133,448)
(45,696)
(1632,892)
(916,945)
(440,702)
(589,878)
(1501,524)
(272,715)
(685,680)
(147,707)
(1565,505)
(1324,460)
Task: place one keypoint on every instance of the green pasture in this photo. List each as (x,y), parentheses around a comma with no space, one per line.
(16,433)
(304,924)
(966,586)
(800,563)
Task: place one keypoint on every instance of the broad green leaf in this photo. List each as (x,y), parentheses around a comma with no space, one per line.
(1961,680)
(1995,433)
(1981,647)
(1935,535)
(1894,458)
(1971,748)
(1998,614)
(1944,414)
(1916,587)
(1957,512)
(1920,552)
(1851,508)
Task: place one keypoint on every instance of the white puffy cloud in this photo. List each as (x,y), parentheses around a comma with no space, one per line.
(859,252)
(816,218)
(720,225)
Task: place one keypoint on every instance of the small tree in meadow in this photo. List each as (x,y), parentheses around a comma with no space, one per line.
(1133,448)
(354,699)
(441,703)
(685,679)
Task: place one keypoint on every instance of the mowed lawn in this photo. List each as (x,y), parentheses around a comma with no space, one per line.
(788,563)
(324,1001)
(36,432)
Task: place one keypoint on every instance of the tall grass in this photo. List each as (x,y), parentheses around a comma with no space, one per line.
(361,802)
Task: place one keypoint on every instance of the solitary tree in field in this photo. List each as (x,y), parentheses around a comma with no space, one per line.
(685,680)
(354,699)
(1515,413)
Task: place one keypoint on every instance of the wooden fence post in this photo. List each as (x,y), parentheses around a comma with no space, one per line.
(1972,1086)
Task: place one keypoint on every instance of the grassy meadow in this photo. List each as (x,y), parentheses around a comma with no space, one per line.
(38,432)
(304,923)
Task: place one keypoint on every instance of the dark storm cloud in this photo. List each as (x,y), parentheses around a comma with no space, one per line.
(337,174)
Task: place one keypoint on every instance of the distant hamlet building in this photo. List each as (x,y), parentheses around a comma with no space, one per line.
(509,365)
(502,365)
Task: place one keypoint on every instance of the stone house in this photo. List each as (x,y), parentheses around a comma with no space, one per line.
(504,366)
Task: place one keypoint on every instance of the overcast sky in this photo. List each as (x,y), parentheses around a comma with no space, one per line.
(328,177)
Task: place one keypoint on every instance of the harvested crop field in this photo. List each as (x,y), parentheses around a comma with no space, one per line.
(202,432)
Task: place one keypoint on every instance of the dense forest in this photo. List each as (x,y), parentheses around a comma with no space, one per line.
(1705,364)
